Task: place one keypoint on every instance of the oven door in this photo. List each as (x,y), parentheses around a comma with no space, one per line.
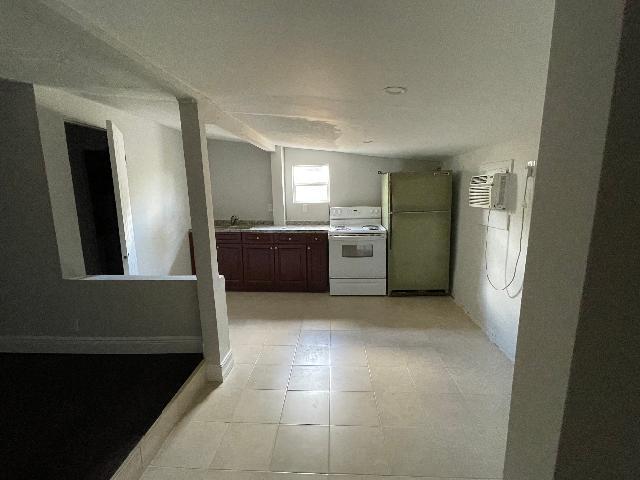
(357,256)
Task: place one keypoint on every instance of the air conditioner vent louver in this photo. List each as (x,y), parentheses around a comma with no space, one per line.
(488,191)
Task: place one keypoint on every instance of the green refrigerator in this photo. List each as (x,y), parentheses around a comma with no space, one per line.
(416,211)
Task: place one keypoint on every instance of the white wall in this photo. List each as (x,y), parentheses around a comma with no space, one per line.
(354,179)
(241,181)
(157,183)
(496,312)
(38,308)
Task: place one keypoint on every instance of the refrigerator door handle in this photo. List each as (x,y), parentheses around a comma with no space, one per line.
(390,230)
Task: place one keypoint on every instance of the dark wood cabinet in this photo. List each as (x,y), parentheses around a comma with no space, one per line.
(291,268)
(291,238)
(229,237)
(263,261)
(259,267)
(230,264)
(317,266)
(257,238)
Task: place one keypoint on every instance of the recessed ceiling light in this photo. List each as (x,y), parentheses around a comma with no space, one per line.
(391,90)
(367,141)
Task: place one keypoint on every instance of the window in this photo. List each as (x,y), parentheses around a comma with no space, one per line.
(311,184)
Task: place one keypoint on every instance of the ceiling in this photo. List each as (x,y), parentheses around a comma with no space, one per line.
(311,73)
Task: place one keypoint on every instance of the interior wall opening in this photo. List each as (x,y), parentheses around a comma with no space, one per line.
(95,199)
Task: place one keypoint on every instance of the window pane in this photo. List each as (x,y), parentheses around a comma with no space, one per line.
(304,174)
(311,194)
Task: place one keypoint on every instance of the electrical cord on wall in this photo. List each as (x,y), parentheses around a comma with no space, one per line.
(486,235)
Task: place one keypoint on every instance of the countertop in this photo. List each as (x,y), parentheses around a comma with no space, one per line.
(275,228)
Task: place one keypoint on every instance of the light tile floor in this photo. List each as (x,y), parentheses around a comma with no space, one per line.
(356,387)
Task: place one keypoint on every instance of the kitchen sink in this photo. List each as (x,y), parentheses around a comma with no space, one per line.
(268,227)
(233,227)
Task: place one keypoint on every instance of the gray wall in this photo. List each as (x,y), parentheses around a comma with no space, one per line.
(37,306)
(241,180)
(354,179)
(157,183)
(495,311)
(565,243)
(601,428)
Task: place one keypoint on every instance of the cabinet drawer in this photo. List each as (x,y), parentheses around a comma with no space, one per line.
(317,237)
(258,237)
(228,237)
(283,238)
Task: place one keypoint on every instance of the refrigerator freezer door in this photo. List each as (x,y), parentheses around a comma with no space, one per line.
(419,246)
(420,192)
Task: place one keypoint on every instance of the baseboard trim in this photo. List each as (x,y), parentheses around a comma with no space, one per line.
(217,373)
(488,331)
(100,345)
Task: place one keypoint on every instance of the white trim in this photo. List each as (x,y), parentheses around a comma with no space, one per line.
(126,278)
(217,373)
(490,331)
(103,345)
(227,364)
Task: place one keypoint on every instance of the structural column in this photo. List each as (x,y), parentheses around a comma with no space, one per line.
(277,186)
(211,291)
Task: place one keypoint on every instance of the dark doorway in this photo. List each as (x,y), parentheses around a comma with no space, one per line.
(95,199)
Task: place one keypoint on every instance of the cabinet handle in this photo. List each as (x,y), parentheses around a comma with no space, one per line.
(308,248)
(217,247)
(315,238)
(257,238)
(275,248)
(289,238)
(270,248)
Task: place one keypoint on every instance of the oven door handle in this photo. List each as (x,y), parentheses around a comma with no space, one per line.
(359,236)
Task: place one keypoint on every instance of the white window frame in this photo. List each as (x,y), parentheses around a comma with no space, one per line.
(311,184)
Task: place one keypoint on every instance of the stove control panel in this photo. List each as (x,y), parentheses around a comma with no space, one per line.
(353,213)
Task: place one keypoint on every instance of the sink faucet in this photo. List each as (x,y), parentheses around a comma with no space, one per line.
(234,219)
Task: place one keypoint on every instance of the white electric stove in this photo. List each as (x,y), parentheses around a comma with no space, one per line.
(357,251)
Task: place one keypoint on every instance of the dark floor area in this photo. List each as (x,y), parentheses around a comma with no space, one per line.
(79,416)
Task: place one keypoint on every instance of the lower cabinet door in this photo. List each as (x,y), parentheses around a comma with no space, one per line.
(230,265)
(291,267)
(318,267)
(259,267)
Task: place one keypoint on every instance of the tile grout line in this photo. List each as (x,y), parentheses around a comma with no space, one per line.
(376,395)
(330,402)
(284,400)
(378,409)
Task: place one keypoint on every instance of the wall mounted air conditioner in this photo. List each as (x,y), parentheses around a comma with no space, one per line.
(489,190)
